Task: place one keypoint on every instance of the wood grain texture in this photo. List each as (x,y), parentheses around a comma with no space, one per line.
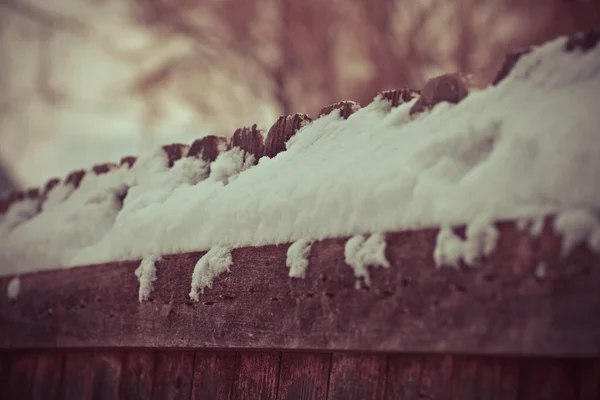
(48,376)
(548,379)
(500,307)
(21,377)
(137,374)
(256,376)
(304,376)
(213,375)
(173,375)
(91,374)
(589,379)
(357,377)
(4,372)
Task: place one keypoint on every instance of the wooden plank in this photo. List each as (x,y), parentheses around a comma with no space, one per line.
(403,377)
(4,372)
(173,375)
(48,375)
(589,379)
(22,370)
(304,376)
(548,379)
(501,307)
(357,377)
(91,375)
(256,376)
(213,375)
(137,375)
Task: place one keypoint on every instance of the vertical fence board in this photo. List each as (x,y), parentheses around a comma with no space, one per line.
(256,376)
(548,379)
(589,380)
(78,375)
(359,377)
(4,372)
(304,376)
(22,370)
(137,375)
(48,375)
(173,375)
(107,374)
(213,375)
(403,377)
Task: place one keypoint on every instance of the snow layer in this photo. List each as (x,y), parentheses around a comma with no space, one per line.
(527,147)
(215,262)
(362,252)
(146,274)
(578,226)
(297,258)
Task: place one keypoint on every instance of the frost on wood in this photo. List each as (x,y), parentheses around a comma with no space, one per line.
(297,258)
(481,240)
(578,226)
(362,252)
(146,274)
(215,262)
(14,288)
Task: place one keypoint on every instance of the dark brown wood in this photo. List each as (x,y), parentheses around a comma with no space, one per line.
(22,371)
(450,88)
(250,140)
(173,375)
(75,178)
(208,148)
(500,307)
(48,375)
(403,377)
(137,375)
(91,374)
(213,375)
(357,377)
(4,372)
(548,379)
(589,379)
(174,152)
(583,41)
(509,63)
(282,131)
(128,160)
(256,376)
(400,96)
(104,168)
(346,108)
(304,376)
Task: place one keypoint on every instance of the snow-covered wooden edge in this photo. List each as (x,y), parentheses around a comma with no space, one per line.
(524,298)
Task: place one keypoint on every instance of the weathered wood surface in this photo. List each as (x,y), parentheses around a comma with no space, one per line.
(499,307)
(304,376)
(42,374)
(213,375)
(357,377)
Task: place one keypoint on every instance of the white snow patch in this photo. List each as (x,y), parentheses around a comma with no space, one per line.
(578,226)
(297,258)
(14,288)
(534,224)
(215,262)
(361,252)
(230,164)
(146,274)
(18,213)
(481,239)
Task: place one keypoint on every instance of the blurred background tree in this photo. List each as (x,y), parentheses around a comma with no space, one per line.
(88,81)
